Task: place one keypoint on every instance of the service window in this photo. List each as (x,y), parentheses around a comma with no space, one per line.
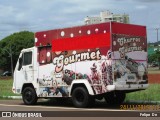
(45,55)
(27,58)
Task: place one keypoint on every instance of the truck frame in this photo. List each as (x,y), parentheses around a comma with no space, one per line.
(85,63)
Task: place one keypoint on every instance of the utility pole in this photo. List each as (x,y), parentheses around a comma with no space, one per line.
(157,29)
(11,60)
(10,55)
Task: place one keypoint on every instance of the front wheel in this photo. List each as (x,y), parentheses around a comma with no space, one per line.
(29,96)
(81,98)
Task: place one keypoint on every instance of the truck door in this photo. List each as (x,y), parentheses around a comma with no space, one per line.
(24,70)
(27,66)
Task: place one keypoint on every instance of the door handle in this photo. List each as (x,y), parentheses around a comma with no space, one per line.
(30,67)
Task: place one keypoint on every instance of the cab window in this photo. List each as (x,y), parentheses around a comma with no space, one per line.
(27,58)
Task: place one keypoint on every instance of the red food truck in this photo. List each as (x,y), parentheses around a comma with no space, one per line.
(84,63)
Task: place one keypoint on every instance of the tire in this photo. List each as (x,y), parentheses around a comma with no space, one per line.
(114,98)
(81,98)
(29,96)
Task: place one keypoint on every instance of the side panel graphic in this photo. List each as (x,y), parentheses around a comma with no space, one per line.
(129,59)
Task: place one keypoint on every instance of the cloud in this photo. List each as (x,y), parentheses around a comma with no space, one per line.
(147,1)
(37,15)
(141,7)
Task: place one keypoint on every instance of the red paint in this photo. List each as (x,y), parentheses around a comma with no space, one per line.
(46,37)
(83,42)
(43,58)
(128,29)
(56,34)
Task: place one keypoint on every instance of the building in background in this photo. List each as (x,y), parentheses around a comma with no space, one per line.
(107,16)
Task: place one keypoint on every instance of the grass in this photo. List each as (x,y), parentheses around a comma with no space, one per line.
(150,94)
(6,87)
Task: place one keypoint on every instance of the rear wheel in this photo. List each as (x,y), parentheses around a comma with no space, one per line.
(29,96)
(81,98)
(115,98)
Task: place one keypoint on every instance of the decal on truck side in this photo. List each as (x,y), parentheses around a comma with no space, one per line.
(61,60)
(130,56)
(69,66)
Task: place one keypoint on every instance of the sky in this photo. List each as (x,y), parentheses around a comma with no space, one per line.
(39,15)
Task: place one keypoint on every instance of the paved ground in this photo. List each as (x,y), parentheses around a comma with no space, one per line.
(53,109)
(47,105)
(57,109)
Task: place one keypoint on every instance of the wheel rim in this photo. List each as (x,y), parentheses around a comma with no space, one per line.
(80,97)
(28,96)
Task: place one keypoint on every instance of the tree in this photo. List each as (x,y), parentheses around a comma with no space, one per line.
(155,57)
(13,44)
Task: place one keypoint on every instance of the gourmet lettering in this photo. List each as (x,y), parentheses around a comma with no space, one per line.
(61,60)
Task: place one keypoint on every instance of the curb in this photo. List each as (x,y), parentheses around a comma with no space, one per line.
(12,97)
(142,102)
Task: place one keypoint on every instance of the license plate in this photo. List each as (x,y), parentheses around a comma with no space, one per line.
(131,77)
